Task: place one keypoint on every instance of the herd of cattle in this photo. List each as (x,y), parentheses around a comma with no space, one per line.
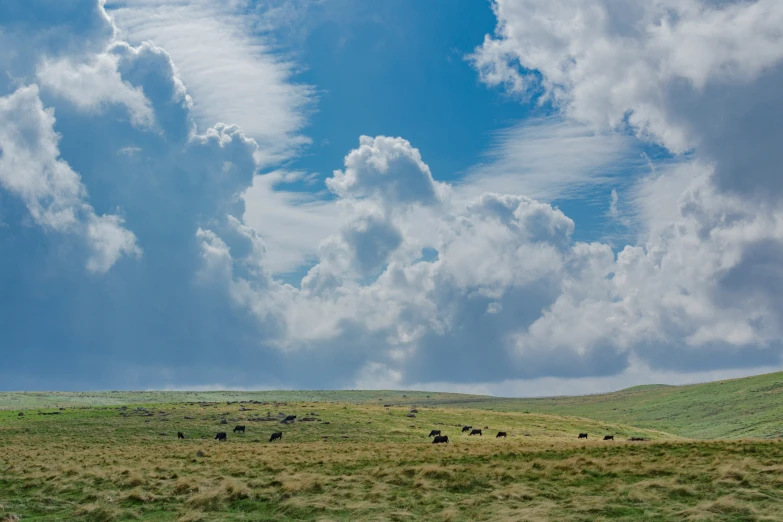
(222,436)
(438,437)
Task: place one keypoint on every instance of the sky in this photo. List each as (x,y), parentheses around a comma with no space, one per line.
(511,197)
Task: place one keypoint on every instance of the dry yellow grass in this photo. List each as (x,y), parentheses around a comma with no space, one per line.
(120,468)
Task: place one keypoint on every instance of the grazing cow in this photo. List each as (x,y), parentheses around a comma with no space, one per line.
(637,439)
(466,428)
(434,433)
(500,434)
(609,437)
(475,432)
(180,435)
(276,436)
(221,436)
(239,428)
(290,418)
(440,438)
(583,435)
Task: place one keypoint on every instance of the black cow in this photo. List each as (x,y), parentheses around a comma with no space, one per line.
(239,428)
(466,428)
(221,436)
(500,434)
(434,433)
(180,435)
(609,437)
(475,432)
(583,435)
(290,418)
(637,439)
(276,436)
(440,438)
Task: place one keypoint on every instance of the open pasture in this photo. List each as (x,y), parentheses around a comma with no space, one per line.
(368,462)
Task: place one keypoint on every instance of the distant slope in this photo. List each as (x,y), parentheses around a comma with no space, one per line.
(747,407)
(23,400)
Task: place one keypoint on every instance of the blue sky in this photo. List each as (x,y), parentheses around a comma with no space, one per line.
(517,197)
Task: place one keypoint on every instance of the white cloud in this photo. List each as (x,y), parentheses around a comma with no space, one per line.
(416,281)
(508,278)
(30,168)
(614,212)
(232,72)
(93,86)
(685,74)
(387,169)
(291,223)
(109,241)
(73,29)
(602,60)
(550,159)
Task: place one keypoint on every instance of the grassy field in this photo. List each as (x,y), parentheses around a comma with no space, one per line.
(747,407)
(368,462)
(360,455)
(16,400)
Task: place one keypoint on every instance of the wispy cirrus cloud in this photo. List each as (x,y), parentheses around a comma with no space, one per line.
(551,158)
(291,223)
(230,65)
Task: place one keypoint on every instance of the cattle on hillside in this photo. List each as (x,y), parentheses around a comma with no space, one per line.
(180,435)
(239,428)
(440,438)
(434,433)
(466,428)
(276,436)
(583,435)
(500,434)
(475,432)
(221,436)
(609,437)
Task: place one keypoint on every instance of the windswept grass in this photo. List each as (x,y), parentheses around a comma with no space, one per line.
(367,462)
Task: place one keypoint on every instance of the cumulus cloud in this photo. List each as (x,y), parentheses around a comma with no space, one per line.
(416,282)
(696,77)
(164,317)
(389,170)
(94,85)
(225,56)
(50,29)
(691,74)
(31,168)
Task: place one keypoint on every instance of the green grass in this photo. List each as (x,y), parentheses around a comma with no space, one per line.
(737,408)
(368,462)
(17,400)
(357,455)
(747,407)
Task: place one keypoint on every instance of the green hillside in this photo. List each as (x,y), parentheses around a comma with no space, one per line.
(747,407)
(25,400)
(736,408)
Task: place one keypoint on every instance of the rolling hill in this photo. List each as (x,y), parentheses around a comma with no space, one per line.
(736,408)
